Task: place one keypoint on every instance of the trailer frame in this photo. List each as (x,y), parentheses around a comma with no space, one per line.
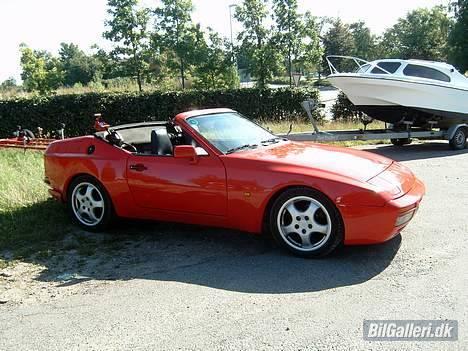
(397,137)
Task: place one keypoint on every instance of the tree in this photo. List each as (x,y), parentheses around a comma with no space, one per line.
(77,67)
(215,69)
(128,28)
(40,70)
(178,35)
(311,51)
(364,41)
(339,41)
(8,84)
(422,34)
(256,41)
(289,31)
(458,38)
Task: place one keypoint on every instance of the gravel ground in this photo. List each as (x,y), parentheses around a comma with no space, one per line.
(179,287)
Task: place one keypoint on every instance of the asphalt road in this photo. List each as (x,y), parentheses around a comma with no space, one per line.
(212,289)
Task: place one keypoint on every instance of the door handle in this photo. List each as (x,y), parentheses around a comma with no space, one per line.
(139,167)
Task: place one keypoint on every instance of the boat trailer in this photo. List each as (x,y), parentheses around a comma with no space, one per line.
(456,134)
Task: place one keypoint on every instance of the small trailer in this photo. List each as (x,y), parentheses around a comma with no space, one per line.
(26,140)
(25,143)
(456,134)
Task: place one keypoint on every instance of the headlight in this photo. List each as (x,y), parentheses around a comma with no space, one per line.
(385,185)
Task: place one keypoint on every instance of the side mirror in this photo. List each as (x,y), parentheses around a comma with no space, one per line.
(186,151)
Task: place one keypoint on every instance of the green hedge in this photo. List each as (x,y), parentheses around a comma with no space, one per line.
(76,111)
(344,109)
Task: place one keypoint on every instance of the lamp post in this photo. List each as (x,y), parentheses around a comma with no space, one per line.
(232,38)
(230,22)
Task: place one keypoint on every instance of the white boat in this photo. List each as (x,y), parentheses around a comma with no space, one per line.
(398,91)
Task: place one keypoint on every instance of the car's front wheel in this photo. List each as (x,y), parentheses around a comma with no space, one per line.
(306,222)
(88,203)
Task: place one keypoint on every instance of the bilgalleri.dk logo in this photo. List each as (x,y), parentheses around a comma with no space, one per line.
(410,330)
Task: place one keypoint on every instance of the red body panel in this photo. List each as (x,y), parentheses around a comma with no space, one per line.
(176,184)
(234,190)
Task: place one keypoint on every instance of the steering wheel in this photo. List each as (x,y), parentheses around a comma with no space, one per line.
(128,147)
(114,138)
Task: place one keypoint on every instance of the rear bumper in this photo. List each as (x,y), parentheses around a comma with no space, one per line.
(381,224)
(57,195)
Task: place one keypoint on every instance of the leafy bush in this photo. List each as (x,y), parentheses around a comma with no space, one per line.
(322,83)
(285,81)
(76,111)
(344,109)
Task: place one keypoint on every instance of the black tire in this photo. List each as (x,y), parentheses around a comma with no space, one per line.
(458,141)
(331,240)
(401,141)
(106,215)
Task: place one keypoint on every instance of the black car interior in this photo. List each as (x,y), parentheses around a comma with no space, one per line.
(148,138)
(161,143)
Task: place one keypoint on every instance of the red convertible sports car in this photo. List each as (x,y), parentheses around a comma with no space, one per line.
(214,167)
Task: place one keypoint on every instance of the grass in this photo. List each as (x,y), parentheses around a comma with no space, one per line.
(304,126)
(33,225)
(30,222)
(21,180)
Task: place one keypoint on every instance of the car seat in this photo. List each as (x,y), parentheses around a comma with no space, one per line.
(161,143)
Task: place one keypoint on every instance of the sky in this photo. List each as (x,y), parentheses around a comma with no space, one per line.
(44,24)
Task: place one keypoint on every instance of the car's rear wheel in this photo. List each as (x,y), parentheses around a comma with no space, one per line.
(401,141)
(458,141)
(89,204)
(306,222)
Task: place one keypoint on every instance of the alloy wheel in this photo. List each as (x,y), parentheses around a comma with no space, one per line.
(88,204)
(304,223)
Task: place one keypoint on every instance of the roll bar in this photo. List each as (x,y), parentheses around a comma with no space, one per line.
(358,61)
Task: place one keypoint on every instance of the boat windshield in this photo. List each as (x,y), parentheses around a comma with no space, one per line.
(362,69)
(386,67)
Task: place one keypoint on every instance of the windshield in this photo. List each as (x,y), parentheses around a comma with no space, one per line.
(229,132)
(362,69)
(388,66)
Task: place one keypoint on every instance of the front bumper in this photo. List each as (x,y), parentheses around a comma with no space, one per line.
(380,224)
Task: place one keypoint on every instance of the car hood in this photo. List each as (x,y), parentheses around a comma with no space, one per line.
(346,162)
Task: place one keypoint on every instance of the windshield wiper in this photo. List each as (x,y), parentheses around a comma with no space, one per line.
(272,140)
(242,147)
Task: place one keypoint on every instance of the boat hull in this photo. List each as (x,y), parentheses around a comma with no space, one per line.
(395,100)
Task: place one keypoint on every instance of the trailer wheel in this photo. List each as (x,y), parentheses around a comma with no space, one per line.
(401,141)
(458,141)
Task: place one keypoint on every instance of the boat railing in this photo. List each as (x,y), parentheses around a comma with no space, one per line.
(357,61)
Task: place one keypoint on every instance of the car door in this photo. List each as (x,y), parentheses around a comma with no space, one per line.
(179,185)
